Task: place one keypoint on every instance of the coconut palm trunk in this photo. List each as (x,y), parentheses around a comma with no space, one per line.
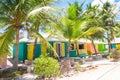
(68,49)
(77,49)
(109,47)
(109,44)
(15,65)
(35,42)
(94,46)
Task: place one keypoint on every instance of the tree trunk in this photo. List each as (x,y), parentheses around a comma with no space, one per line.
(109,44)
(67,60)
(109,47)
(68,49)
(94,46)
(35,42)
(77,49)
(44,47)
(15,65)
(37,28)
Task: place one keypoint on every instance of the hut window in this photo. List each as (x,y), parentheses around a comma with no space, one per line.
(72,46)
(81,46)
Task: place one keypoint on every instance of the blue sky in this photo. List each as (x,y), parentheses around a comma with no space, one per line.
(117,0)
(1,30)
(64,3)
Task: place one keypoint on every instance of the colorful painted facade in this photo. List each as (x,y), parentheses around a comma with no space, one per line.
(26,49)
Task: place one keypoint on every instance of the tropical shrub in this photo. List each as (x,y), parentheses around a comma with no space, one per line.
(46,66)
(115,54)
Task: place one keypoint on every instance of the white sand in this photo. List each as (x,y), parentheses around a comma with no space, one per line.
(105,71)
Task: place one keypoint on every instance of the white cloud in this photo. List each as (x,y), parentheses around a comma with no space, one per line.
(96,2)
(100,3)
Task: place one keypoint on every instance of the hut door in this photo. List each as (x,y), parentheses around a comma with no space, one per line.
(58,49)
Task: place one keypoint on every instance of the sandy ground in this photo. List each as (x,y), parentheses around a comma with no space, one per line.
(106,70)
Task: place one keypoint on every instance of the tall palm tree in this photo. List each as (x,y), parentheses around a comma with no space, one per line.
(72,25)
(93,11)
(108,18)
(85,17)
(40,19)
(13,15)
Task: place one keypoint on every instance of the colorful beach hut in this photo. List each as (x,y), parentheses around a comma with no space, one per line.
(30,53)
(22,54)
(102,47)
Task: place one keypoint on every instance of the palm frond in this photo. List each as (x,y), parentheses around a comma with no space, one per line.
(6,40)
(3,21)
(38,35)
(45,10)
(4,5)
(90,31)
(72,12)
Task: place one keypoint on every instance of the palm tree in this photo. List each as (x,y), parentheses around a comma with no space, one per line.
(40,19)
(84,30)
(93,11)
(72,25)
(13,15)
(108,18)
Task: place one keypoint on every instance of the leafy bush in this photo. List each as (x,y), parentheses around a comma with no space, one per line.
(115,54)
(46,67)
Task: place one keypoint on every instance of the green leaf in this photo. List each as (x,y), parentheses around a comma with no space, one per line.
(6,40)
(36,34)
